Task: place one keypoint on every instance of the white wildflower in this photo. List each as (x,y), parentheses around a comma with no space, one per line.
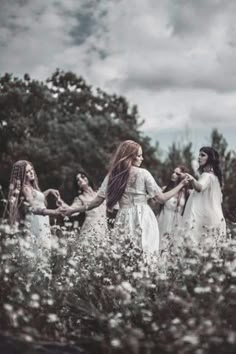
(52,317)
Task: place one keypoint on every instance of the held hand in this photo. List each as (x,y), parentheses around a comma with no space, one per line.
(189,177)
(66,210)
(184,182)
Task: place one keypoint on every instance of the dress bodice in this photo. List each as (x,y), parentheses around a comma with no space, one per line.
(140,187)
(38,200)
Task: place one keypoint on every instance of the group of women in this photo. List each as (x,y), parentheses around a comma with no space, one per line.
(185,203)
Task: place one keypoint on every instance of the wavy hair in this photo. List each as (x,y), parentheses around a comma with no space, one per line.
(213,161)
(15,194)
(118,175)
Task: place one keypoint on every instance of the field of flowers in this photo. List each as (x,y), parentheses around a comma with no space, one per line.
(101,296)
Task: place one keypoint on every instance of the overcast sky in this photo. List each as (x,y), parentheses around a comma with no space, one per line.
(175,59)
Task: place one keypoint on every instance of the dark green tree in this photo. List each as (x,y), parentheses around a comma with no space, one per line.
(63,125)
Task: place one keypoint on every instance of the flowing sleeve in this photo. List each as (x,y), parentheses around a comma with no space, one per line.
(152,187)
(103,189)
(204,180)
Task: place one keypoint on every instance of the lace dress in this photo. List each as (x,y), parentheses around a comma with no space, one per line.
(135,219)
(95,219)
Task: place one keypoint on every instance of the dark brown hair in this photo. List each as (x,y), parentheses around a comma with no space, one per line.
(213,161)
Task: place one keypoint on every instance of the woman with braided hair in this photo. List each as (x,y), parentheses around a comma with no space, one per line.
(203,212)
(27,202)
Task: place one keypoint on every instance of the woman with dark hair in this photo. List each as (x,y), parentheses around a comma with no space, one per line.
(171,212)
(203,212)
(95,220)
(130,186)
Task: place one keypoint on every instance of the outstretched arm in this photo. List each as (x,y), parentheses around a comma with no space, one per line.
(194,183)
(98,200)
(163,197)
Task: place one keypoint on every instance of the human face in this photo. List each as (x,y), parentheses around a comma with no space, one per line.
(139,158)
(29,173)
(202,158)
(176,175)
(82,180)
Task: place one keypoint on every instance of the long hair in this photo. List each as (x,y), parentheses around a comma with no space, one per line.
(15,194)
(213,161)
(173,184)
(77,189)
(118,175)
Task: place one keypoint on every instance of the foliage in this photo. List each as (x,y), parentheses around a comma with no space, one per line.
(64,125)
(105,298)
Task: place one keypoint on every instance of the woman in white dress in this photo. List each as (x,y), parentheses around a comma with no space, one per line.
(130,186)
(203,212)
(171,212)
(26,205)
(95,219)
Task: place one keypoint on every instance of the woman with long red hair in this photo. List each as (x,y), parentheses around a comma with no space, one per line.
(131,186)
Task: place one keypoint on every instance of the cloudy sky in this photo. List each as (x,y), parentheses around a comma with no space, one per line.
(175,59)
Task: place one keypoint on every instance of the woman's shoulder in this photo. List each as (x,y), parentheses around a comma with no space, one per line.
(209,175)
(140,170)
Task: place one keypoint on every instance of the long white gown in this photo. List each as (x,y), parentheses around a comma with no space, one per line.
(135,219)
(203,213)
(170,219)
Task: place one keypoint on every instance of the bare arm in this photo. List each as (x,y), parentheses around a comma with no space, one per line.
(81,209)
(199,187)
(163,197)
(28,194)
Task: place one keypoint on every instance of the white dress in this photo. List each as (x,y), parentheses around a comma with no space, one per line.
(203,212)
(95,220)
(39,239)
(135,219)
(170,218)
(39,224)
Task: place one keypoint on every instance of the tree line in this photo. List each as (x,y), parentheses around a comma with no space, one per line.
(64,125)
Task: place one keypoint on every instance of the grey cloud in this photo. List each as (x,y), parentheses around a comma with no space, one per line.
(171,79)
(189,17)
(154,52)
